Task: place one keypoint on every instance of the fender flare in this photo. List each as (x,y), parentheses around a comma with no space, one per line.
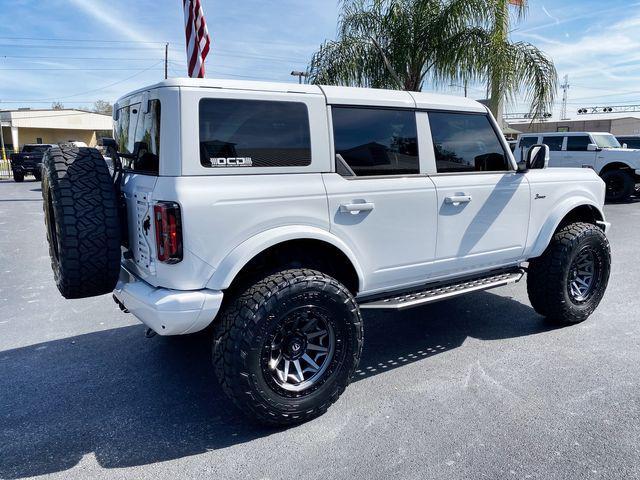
(235,261)
(560,211)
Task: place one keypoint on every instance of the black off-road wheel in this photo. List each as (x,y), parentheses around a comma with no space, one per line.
(81,217)
(285,348)
(620,185)
(18,177)
(568,281)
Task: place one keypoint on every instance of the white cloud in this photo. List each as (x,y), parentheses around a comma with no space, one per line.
(115,20)
(546,12)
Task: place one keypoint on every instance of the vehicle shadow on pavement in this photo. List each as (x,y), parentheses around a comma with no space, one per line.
(132,401)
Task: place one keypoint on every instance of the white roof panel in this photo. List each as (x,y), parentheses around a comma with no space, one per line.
(367,96)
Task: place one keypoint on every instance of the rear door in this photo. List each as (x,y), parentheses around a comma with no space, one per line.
(556,149)
(576,153)
(380,203)
(483,203)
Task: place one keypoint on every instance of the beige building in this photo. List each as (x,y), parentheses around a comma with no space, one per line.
(622,123)
(53,126)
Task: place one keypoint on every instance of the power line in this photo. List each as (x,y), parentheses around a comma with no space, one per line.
(80,69)
(81,40)
(91,91)
(57,57)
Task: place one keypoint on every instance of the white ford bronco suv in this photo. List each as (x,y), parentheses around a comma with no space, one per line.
(275,213)
(619,167)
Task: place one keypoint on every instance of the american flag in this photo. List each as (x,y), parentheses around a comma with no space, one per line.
(198,40)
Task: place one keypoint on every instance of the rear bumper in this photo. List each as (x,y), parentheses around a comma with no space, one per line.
(167,312)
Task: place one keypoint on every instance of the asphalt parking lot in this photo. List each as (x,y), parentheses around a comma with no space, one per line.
(478,387)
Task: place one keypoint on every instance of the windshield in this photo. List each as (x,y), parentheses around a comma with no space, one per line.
(606,141)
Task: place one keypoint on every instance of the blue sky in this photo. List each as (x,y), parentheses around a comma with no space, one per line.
(596,43)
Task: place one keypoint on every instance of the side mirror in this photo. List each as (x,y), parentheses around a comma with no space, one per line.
(592,147)
(537,157)
(624,145)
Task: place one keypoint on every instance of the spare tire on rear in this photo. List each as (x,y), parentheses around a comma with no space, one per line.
(81,216)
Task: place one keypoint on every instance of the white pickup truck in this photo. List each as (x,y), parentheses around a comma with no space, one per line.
(619,167)
(275,213)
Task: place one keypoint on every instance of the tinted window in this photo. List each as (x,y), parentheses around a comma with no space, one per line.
(35,148)
(371,141)
(138,134)
(632,142)
(526,142)
(466,143)
(554,143)
(578,143)
(254,133)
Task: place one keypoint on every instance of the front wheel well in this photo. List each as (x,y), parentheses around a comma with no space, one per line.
(309,253)
(583,213)
(614,166)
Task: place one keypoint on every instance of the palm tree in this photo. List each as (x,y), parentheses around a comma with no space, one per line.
(402,44)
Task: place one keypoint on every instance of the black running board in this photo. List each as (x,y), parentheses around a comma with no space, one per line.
(442,291)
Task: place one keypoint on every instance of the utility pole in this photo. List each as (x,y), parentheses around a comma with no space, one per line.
(4,153)
(166,60)
(299,75)
(565,94)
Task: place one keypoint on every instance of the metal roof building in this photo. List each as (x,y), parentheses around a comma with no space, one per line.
(52,126)
(622,123)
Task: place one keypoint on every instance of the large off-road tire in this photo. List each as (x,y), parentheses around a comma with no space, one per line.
(81,216)
(620,185)
(568,281)
(265,335)
(18,176)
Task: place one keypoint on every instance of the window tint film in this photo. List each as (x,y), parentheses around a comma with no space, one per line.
(526,142)
(254,133)
(632,142)
(466,143)
(554,142)
(371,141)
(578,143)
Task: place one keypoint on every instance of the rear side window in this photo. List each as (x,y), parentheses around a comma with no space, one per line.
(138,137)
(554,143)
(466,142)
(258,133)
(578,143)
(526,142)
(373,141)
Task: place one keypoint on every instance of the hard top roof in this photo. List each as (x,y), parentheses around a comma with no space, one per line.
(333,94)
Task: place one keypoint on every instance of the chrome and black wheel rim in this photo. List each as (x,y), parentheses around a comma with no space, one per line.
(297,354)
(583,275)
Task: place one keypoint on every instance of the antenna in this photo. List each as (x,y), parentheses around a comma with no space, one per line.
(565,93)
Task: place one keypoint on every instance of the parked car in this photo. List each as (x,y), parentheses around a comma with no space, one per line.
(277,212)
(618,167)
(629,141)
(28,161)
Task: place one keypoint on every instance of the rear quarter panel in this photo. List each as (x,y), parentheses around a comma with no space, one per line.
(221,212)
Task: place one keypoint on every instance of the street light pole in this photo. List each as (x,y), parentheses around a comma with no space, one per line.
(4,153)
(298,74)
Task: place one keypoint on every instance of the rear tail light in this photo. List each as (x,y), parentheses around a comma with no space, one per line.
(168,223)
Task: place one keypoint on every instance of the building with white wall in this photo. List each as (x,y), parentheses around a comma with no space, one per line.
(53,126)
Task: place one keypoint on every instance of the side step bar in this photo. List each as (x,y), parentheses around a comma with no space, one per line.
(441,291)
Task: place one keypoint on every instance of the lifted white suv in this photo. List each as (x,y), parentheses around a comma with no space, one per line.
(276,212)
(619,167)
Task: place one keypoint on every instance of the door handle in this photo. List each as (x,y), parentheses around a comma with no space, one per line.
(356,207)
(457,199)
